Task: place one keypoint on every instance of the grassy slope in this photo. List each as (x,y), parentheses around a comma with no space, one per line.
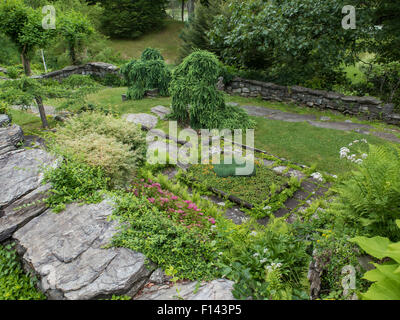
(166,40)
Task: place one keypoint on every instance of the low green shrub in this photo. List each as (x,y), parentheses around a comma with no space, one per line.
(265,263)
(72,181)
(98,140)
(14,283)
(79,81)
(13,72)
(110,80)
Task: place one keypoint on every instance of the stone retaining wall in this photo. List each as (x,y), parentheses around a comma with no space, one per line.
(365,107)
(93,68)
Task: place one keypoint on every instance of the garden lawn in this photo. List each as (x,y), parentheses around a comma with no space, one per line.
(304,144)
(166,40)
(253,189)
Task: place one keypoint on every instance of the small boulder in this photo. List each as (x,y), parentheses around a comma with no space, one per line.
(161,111)
(147,121)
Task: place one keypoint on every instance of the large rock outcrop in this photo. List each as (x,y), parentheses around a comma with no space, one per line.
(67,252)
(21,175)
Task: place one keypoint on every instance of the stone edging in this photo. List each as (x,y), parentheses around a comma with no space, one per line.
(366,107)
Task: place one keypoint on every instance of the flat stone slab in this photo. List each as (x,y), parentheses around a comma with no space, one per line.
(145,120)
(21,173)
(66,251)
(220,289)
(10,137)
(22,211)
(161,111)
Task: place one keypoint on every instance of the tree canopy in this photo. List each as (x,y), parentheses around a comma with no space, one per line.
(132,18)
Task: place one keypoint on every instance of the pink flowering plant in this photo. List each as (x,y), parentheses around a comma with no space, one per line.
(184,212)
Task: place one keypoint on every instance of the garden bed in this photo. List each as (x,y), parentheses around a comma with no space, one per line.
(244,190)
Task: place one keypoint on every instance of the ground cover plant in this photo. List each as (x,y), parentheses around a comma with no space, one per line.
(163,241)
(252,189)
(14,283)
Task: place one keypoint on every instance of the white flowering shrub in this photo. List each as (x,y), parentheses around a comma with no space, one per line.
(354,151)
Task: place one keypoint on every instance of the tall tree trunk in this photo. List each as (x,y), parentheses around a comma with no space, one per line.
(183,10)
(26,64)
(191,6)
(42,112)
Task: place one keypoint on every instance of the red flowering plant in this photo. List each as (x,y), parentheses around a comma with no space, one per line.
(184,212)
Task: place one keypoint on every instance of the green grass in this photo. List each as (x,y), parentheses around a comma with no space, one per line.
(30,123)
(166,40)
(305,144)
(254,189)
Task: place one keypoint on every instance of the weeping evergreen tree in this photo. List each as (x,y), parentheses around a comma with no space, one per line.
(196,100)
(148,73)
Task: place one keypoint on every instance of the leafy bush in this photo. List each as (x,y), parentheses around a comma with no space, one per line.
(249,35)
(150,72)
(23,91)
(103,141)
(145,229)
(369,199)
(150,54)
(76,81)
(383,80)
(386,276)
(14,72)
(130,19)
(14,283)
(195,99)
(110,80)
(265,263)
(74,181)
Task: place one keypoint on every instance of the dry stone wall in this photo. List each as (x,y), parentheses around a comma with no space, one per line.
(93,68)
(365,107)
